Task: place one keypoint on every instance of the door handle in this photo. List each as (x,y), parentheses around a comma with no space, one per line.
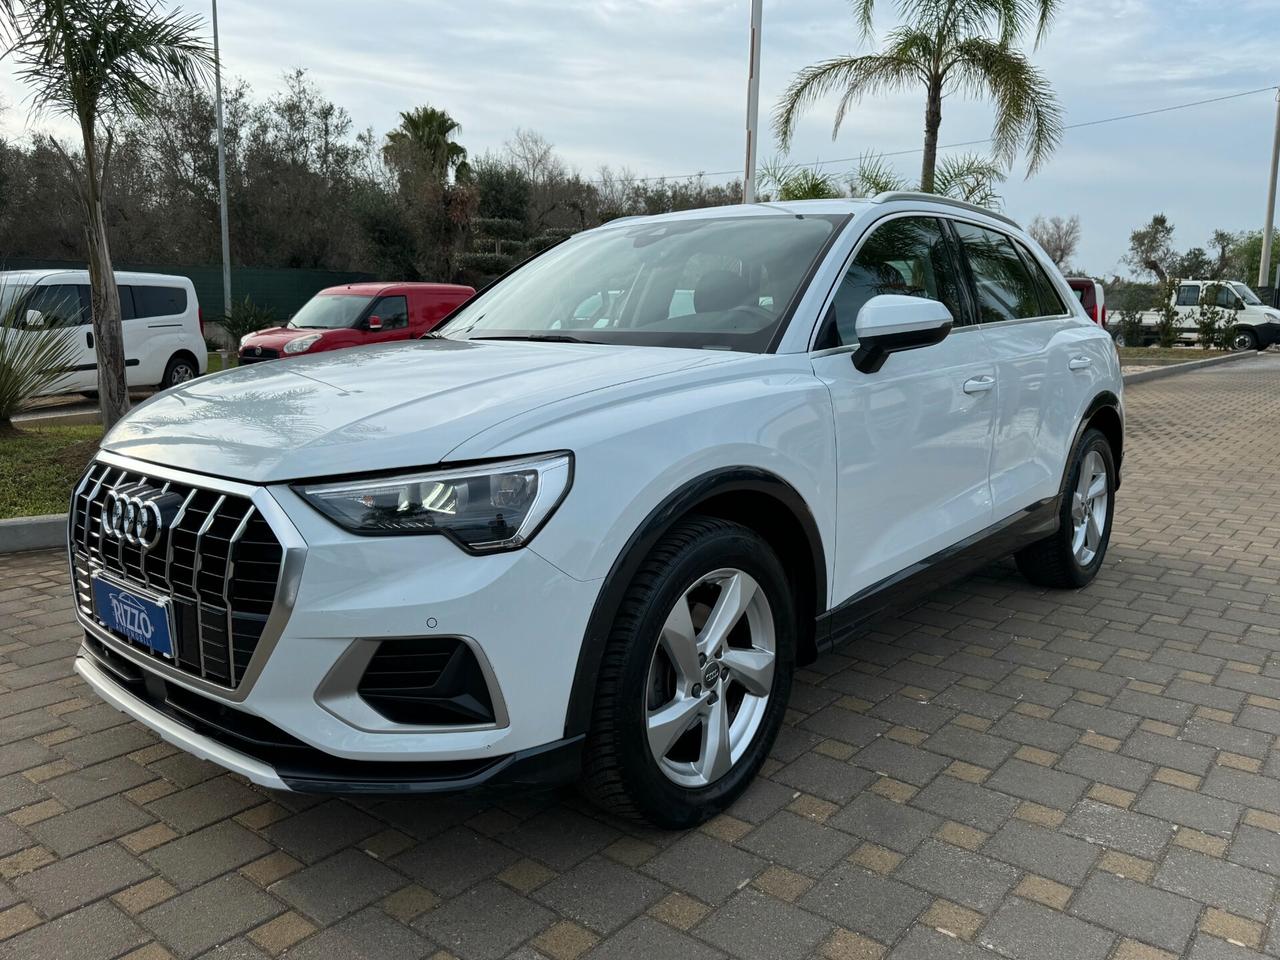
(979,384)
(1079,363)
(88,338)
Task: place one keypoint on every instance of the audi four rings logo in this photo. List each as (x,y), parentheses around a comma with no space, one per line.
(137,515)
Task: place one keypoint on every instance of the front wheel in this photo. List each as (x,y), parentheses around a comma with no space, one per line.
(1071,557)
(1246,339)
(695,676)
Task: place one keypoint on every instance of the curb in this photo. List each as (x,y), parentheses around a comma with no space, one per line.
(33,533)
(1170,369)
(57,419)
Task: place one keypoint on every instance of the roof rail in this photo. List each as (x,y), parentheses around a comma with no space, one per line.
(889,195)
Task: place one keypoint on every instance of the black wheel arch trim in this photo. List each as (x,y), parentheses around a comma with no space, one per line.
(681,502)
(1105,399)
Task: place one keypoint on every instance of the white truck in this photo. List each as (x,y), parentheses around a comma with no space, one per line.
(1257,325)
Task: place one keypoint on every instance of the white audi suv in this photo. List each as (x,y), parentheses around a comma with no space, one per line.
(590,527)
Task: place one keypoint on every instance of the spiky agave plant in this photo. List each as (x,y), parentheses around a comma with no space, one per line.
(33,357)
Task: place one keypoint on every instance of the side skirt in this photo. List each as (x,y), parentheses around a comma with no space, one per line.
(905,588)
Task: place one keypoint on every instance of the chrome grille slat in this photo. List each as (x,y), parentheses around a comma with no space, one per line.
(195,581)
(218,620)
(226,592)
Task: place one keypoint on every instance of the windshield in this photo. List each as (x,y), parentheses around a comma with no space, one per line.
(10,293)
(1247,295)
(328,311)
(724,282)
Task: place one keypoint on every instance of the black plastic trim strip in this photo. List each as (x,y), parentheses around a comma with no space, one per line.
(906,587)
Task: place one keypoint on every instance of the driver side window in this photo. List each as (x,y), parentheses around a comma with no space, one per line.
(393,311)
(909,256)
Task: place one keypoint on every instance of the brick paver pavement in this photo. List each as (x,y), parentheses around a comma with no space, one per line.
(1001,771)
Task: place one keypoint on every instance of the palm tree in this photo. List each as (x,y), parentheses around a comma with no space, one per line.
(97,62)
(425,138)
(963,46)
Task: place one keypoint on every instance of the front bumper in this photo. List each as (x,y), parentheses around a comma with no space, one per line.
(339,597)
(272,759)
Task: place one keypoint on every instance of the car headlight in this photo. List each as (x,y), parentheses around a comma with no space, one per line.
(302,344)
(1272,315)
(244,340)
(483,508)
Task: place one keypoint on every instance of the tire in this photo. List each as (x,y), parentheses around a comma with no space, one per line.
(1119,339)
(180,369)
(1246,339)
(700,562)
(1061,560)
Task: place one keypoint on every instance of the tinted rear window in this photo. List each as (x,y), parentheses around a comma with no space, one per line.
(150,301)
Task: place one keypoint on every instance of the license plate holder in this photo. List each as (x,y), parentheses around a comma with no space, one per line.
(145,620)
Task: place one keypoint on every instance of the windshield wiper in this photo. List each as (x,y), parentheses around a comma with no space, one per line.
(540,337)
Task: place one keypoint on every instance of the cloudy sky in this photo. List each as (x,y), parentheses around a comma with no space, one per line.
(658,87)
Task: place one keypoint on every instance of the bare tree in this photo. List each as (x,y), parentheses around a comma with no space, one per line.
(1060,238)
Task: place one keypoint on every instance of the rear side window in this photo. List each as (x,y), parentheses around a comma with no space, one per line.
(1188,295)
(152,301)
(909,256)
(1005,287)
(1051,304)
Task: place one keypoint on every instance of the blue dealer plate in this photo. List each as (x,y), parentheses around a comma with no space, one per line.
(142,620)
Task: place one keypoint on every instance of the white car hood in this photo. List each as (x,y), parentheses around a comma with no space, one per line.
(372,408)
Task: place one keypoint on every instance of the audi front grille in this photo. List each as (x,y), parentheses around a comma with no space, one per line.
(217,560)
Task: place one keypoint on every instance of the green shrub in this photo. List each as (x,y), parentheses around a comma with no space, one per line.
(1227,330)
(1167,324)
(1129,321)
(484,263)
(499,228)
(246,317)
(1208,318)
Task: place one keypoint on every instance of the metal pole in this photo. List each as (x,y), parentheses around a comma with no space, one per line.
(222,172)
(1264,267)
(753,103)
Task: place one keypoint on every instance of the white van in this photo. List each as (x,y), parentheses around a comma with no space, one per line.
(163,328)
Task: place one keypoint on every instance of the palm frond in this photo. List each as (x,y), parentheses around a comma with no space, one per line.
(788,181)
(97,59)
(33,360)
(1027,113)
(874,174)
(853,77)
(970,177)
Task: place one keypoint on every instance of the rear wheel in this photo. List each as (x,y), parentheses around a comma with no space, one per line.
(1071,557)
(180,369)
(695,677)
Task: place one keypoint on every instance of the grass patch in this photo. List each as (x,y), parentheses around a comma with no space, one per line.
(40,465)
(1161,356)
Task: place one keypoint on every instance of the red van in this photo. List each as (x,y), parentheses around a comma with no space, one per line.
(356,314)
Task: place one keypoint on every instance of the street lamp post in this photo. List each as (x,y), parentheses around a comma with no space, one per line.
(222,171)
(753,104)
(1264,267)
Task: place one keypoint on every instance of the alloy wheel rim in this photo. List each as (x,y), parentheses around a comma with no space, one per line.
(710,678)
(181,374)
(1089,502)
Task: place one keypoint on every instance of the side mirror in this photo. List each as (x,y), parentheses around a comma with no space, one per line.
(374,323)
(891,323)
(34,320)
